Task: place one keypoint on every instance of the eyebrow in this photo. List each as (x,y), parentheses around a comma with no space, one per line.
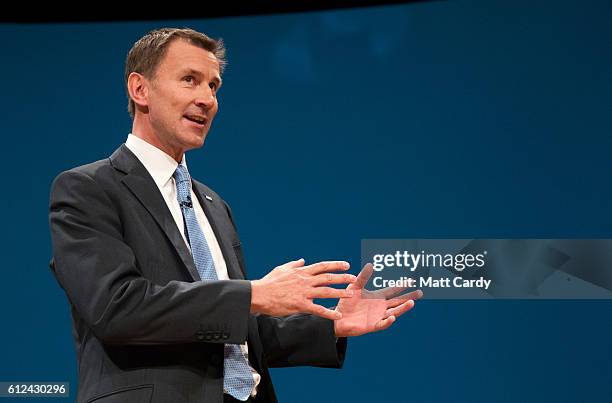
(216,79)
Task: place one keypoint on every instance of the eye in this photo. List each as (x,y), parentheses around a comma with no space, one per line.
(213,86)
(189,79)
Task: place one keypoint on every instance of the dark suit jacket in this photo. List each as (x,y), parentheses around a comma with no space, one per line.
(146,329)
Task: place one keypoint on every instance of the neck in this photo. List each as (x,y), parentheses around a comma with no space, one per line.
(141,128)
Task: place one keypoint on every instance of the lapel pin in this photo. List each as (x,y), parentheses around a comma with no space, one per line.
(208,197)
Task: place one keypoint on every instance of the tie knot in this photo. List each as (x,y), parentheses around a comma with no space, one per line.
(183,185)
(181,174)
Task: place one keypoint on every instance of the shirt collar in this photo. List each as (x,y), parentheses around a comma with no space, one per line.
(160,165)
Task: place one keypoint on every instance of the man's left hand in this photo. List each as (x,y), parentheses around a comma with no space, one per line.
(371,311)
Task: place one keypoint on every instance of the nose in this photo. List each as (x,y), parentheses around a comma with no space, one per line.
(205,99)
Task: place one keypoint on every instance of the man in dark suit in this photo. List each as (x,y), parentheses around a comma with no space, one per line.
(151,262)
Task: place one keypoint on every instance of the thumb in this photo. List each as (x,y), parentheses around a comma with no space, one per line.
(295,263)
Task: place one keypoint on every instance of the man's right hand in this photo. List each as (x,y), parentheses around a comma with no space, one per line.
(291,287)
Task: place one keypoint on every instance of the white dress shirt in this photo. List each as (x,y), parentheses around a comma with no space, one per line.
(161,167)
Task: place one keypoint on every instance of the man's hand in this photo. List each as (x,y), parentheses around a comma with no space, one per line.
(290,288)
(371,311)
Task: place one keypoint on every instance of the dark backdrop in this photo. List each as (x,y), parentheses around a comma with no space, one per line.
(446,119)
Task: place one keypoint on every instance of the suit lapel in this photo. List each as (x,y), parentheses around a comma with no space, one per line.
(141,184)
(217,217)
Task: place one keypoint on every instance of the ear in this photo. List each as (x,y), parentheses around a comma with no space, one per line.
(138,88)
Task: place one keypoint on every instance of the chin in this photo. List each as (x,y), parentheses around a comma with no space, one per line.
(197,142)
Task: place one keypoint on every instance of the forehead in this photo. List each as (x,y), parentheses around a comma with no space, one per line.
(181,55)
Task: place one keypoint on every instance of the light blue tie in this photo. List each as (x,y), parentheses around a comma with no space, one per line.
(237,376)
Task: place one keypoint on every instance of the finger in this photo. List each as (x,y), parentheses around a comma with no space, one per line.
(295,263)
(329,278)
(384,323)
(323,267)
(393,302)
(401,309)
(414,295)
(388,292)
(418,294)
(363,276)
(329,292)
(323,312)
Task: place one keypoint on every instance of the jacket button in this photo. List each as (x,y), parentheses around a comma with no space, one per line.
(225,336)
(217,335)
(200,335)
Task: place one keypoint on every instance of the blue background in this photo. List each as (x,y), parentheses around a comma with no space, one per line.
(444,119)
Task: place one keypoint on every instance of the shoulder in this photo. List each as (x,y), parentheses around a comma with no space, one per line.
(213,196)
(205,190)
(208,193)
(105,172)
(102,176)
(95,172)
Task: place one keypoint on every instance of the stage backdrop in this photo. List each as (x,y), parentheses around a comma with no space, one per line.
(442,119)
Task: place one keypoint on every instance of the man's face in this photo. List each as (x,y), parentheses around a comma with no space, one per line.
(182,96)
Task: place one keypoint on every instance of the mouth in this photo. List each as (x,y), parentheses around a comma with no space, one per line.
(197,119)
